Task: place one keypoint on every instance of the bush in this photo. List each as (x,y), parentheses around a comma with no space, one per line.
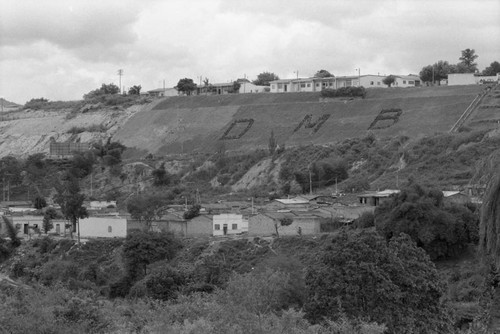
(344,92)
(164,283)
(367,219)
(362,276)
(442,230)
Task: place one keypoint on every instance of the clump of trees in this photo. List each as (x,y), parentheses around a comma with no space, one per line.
(36,103)
(186,86)
(264,79)
(442,230)
(105,89)
(361,276)
(440,70)
(323,74)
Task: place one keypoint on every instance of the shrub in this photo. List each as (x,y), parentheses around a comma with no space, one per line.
(344,92)
(442,230)
(362,276)
(367,219)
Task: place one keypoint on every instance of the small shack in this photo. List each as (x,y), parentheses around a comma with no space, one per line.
(375,198)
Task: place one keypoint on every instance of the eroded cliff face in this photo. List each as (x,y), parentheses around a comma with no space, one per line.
(26,132)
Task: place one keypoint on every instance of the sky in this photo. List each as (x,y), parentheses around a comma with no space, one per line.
(62,49)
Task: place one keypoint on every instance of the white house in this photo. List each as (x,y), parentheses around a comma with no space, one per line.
(103,227)
(229,223)
(407,81)
(163,92)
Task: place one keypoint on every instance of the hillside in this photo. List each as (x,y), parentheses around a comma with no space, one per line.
(244,122)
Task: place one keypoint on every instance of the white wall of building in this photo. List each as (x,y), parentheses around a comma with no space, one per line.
(103,227)
(248,88)
(233,223)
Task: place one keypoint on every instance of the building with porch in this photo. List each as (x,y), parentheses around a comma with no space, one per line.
(317,84)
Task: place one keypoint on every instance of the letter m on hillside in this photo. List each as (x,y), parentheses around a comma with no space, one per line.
(309,123)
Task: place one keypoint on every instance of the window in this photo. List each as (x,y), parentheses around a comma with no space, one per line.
(331,83)
(280,86)
(302,85)
(378,83)
(234,226)
(411,82)
(308,85)
(371,83)
(317,84)
(110,229)
(217,227)
(404,82)
(273,86)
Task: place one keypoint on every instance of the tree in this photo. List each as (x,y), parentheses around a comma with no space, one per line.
(146,208)
(436,72)
(11,232)
(111,152)
(235,88)
(489,228)
(186,86)
(389,80)
(48,215)
(142,248)
(71,201)
(323,74)
(360,275)
(493,69)
(285,221)
(135,90)
(39,203)
(442,230)
(194,211)
(272,143)
(160,176)
(264,79)
(468,57)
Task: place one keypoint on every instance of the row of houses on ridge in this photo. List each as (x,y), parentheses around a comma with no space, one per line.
(317,84)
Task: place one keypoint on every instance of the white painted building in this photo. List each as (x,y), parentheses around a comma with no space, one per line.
(318,84)
(248,88)
(229,223)
(103,227)
(459,79)
(407,81)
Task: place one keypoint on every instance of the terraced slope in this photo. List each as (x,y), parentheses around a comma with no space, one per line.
(243,122)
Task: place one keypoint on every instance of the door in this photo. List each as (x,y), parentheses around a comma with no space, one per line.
(26,228)
(58,228)
(285,88)
(224,228)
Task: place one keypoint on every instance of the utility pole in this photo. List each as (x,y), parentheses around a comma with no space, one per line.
(120,73)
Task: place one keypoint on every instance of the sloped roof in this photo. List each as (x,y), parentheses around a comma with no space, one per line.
(383,193)
(290,201)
